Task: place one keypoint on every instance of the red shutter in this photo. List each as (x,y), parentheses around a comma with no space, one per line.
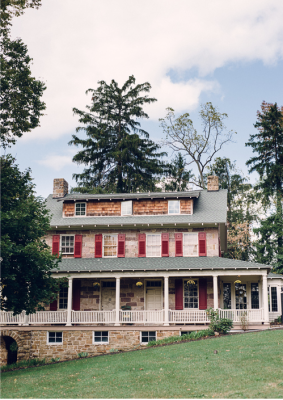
(202,244)
(202,294)
(121,245)
(78,246)
(178,245)
(53,306)
(76,295)
(56,245)
(165,245)
(98,246)
(142,245)
(178,294)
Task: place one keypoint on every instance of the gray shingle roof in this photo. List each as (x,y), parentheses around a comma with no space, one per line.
(152,264)
(272,275)
(210,207)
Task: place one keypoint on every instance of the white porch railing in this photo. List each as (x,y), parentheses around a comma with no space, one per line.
(188,316)
(7,317)
(48,317)
(255,315)
(93,317)
(142,316)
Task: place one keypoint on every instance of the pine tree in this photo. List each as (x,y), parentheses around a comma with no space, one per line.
(177,177)
(116,156)
(268,144)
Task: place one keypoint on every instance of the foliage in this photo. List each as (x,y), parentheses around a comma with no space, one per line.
(240,202)
(267,143)
(56,359)
(217,324)
(184,338)
(177,177)
(20,102)
(200,148)
(26,258)
(33,362)
(14,347)
(117,157)
(82,355)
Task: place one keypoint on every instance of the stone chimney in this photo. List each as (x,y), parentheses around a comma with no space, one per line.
(60,188)
(212,184)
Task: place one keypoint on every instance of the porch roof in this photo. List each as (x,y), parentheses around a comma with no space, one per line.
(154,264)
(209,208)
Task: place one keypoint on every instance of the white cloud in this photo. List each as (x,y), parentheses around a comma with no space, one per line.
(57,162)
(76,44)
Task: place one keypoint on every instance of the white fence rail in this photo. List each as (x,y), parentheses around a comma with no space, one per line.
(48,317)
(127,317)
(255,315)
(188,316)
(142,316)
(93,317)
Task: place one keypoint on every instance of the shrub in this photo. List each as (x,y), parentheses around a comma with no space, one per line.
(188,337)
(82,355)
(24,364)
(217,324)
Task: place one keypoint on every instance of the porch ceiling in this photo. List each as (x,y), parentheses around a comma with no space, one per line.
(154,264)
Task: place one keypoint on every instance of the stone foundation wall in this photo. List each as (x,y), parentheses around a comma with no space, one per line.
(131,245)
(33,344)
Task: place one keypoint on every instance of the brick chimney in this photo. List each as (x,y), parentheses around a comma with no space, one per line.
(60,188)
(212,184)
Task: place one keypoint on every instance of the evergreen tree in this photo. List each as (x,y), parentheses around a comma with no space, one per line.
(116,155)
(268,145)
(177,177)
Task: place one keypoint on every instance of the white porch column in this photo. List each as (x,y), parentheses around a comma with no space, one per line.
(265,299)
(117,322)
(70,300)
(215,292)
(166,300)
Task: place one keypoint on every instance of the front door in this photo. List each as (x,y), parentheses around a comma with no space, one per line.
(153,295)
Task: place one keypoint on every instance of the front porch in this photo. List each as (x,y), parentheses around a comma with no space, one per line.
(154,299)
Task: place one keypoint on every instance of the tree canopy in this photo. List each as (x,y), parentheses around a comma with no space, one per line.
(198,148)
(117,152)
(26,258)
(267,144)
(177,176)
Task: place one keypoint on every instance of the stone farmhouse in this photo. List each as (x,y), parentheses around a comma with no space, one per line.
(140,266)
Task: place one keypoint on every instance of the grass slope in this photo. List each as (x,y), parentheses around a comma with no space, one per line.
(246,366)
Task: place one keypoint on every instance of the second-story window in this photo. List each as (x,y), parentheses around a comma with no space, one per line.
(153,245)
(80,209)
(109,245)
(67,244)
(173,207)
(190,244)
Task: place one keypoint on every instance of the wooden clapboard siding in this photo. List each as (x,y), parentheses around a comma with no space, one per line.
(103,208)
(69,209)
(186,206)
(150,207)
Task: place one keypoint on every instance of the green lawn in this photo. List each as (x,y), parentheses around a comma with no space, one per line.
(246,366)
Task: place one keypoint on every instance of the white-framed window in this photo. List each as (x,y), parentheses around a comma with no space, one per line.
(110,246)
(80,209)
(63,298)
(54,337)
(190,244)
(272,297)
(126,207)
(153,245)
(191,294)
(147,336)
(174,207)
(67,244)
(100,337)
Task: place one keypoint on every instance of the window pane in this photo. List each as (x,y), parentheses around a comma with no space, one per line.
(274,299)
(80,208)
(255,295)
(190,244)
(153,245)
(241,296)
(110,245)
(191,295)
(67,244)
(227,296)
(174,207)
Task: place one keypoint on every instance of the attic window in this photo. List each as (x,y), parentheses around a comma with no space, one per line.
(173,207)
(80,209)
(127,207)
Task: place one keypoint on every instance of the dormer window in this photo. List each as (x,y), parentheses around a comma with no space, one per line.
(173,207)
(127,207)
(80,209)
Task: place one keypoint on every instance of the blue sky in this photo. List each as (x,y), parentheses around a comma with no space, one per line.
(229,53)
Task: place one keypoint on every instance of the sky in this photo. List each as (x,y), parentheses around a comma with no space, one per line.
(229,53)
